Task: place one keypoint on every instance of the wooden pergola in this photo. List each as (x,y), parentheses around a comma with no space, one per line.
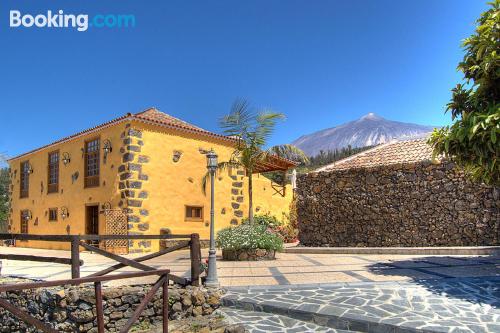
(278,164)
(275,163)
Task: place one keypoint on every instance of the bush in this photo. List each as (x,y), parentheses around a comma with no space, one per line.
(266,220)
(248,236)
(286,230)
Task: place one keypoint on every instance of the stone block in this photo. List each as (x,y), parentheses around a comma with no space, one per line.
(128,157)
(134,203)
(134,133)
(143,159)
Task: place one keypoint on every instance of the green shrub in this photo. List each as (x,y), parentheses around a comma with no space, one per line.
(286,230)
(248,236)
(265,220)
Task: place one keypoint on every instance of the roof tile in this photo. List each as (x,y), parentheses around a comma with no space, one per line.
(401,152)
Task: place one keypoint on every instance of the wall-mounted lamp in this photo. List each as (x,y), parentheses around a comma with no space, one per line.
(66,158)
(106,147)
(64,212)
(106,207)
(27,215)
(29,168)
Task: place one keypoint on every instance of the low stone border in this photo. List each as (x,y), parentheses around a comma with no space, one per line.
(248,254)
(465,250)
(72,309)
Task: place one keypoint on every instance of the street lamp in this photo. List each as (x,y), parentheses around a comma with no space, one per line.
(212,280)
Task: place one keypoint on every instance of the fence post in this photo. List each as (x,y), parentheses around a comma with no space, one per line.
(165,306)
(75,257)
(195,253)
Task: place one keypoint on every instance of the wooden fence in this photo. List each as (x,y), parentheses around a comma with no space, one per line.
(192,241)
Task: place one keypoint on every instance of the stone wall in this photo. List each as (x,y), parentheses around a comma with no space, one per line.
(72,309)
(402,205)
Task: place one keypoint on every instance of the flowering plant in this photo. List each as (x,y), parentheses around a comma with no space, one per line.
(248,236)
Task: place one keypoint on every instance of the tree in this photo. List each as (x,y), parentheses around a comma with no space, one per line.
(472,141)
(252,129)
(4,196)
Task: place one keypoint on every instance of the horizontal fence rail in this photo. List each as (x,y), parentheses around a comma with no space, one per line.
(68,238)
(162,282)
(184,241)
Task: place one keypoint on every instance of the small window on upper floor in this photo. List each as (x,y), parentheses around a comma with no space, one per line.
(25,179)
(92,163)
(53,172)
(194,213)
(52,214)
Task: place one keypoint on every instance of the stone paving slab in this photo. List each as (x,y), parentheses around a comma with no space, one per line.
(287,269)
(259,322)
(446,305)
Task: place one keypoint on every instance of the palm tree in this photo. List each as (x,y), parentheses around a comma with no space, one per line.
(252,129)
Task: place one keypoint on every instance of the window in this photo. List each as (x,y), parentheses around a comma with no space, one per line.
(53,179)
(194,213)
(52,214)
(25,179)
(24,222)
(92,163)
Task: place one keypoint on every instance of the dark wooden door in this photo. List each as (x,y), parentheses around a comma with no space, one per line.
(92,225)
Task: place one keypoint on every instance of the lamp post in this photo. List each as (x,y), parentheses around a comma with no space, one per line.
(212,280)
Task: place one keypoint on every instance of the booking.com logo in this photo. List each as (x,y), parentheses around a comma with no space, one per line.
(61,20)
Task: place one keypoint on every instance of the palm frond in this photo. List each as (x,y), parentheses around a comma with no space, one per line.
(221,167)
(266,121)
(237,122)
(289,152)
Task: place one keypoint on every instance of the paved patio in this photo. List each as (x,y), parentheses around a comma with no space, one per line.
(335,293)
(289,268)
(455,305)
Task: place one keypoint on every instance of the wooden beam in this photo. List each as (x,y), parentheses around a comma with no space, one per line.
(195,256)
(75,257)
(122,260)
(67,238)
(144,258)
(75,282)
(149,296)
(98,306)
(23,257)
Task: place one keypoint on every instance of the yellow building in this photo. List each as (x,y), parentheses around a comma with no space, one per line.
(137,174)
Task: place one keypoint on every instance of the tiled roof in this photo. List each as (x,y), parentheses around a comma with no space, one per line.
(159,118)
(156,117)
(400,152)
(151,115)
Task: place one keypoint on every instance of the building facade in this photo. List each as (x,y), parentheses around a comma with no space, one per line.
(137,174)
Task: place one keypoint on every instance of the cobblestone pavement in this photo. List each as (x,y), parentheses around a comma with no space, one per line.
(260,322)
(444,305)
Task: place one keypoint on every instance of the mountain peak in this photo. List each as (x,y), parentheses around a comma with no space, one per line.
(371,116)
(369,130)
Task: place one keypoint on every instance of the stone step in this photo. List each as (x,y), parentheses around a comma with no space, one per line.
(435,306)
(262,322)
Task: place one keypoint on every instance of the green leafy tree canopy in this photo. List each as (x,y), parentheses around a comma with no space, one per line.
(472,141)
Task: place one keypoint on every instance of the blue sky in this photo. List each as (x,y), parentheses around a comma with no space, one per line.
(322,63)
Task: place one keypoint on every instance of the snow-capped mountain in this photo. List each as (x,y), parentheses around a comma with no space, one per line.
(368,130)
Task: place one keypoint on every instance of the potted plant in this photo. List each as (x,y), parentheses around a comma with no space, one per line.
(248,241)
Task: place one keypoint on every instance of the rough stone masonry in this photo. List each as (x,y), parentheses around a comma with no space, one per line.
(72,309)
(421,204)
